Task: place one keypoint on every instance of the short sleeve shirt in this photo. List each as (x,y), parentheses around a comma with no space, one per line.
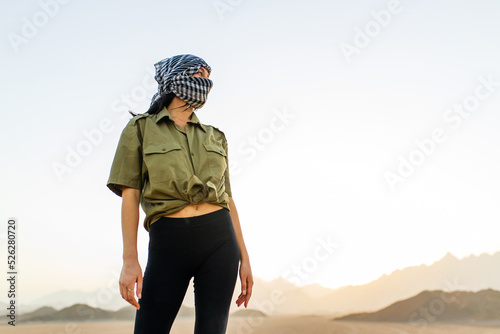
(172,167)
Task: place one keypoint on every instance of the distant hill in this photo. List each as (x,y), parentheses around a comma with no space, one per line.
(83,312)
(64,298)
(463,307)
(41,313)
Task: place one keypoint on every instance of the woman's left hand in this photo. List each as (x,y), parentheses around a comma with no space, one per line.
(246,283)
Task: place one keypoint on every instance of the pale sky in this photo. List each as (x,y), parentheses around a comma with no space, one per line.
(319,100)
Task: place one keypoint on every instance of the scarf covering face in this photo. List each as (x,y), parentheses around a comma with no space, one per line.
(175,75)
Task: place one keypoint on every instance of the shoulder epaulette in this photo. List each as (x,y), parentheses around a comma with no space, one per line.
(135,118)
(217,129)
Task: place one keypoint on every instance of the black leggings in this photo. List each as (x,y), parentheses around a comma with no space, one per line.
(179,248)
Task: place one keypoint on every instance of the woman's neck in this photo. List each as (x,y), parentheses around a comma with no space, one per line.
(180,113)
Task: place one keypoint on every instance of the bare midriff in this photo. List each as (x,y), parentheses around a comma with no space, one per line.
(192,210)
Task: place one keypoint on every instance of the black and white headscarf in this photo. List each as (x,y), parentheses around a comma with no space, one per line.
(175,75)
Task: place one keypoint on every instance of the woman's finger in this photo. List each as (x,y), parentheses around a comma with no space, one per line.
(131,298)
(249,292)
(139,287)
(249,289)
(240,299)
(244,285)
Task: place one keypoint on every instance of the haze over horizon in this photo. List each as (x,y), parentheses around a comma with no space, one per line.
(363,136)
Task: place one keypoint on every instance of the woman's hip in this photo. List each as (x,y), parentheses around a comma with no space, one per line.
(190,234)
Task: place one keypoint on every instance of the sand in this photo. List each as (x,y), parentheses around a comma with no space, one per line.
(271,325)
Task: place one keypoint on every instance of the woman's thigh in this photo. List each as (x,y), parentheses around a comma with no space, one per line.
(214,281)
(166,279)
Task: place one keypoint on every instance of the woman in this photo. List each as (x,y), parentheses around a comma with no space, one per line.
(177,169)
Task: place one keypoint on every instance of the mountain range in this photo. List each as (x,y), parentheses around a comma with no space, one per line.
(459,307)
(464,307)
(472,273)
(280,296)
(83,312)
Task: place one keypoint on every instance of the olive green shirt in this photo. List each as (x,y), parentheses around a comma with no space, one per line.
(170,166)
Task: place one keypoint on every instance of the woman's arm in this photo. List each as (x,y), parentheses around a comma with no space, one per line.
(245,269)
(131,271)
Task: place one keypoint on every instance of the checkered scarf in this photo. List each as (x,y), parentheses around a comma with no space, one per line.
(175,75)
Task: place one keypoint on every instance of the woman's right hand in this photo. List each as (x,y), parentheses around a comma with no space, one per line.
(131,273)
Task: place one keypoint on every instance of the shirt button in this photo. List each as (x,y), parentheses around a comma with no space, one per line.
(192,154)
(163,149)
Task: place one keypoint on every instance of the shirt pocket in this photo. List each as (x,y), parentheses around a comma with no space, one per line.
(216,156)
(165,162)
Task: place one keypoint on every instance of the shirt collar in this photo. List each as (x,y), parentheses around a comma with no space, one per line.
(165,113)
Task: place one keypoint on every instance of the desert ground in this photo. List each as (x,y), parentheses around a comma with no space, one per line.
(271,325)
